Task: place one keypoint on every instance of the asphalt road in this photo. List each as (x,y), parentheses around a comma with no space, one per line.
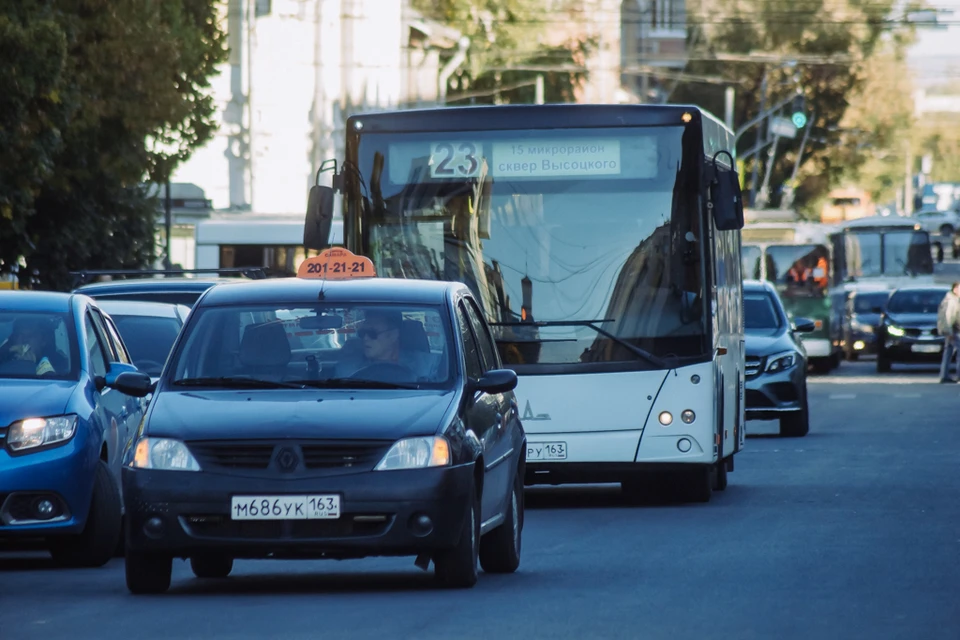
(848,533)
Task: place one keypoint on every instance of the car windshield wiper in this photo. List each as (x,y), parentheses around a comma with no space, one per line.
(635,350)
(236,383)
(355,383)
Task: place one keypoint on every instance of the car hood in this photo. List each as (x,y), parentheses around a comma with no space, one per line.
(913,319)
(21,399)
(759,345)
(295,414)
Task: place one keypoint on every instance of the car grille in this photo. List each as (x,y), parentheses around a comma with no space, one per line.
(756,400)
(219,526)
(316,454)
(752,366)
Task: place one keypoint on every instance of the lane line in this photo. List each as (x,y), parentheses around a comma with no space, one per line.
(842,396)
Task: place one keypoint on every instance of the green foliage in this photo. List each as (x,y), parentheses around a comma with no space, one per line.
(815,31)
(506,36)
(124,98)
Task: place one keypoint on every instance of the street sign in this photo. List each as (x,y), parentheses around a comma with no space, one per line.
(782,127)
(799,119)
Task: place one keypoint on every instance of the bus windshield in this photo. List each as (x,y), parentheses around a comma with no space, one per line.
(799,270)
(872,253)
(594,236)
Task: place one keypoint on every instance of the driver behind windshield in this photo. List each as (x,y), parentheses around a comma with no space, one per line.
(380,340)
(31,341)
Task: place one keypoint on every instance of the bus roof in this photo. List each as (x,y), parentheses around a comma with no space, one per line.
(259,229)
(525,116)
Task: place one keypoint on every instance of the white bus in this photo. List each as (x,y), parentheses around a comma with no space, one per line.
(603,242)
(272,241)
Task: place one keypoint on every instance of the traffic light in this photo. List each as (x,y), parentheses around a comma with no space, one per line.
(798,115)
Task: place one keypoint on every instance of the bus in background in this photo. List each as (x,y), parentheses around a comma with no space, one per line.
(603,242)
(271,241)
(848,203)
(796,258)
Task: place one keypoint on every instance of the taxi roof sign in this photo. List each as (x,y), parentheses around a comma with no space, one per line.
(336,263)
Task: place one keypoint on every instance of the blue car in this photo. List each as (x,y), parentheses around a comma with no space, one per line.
(63,425)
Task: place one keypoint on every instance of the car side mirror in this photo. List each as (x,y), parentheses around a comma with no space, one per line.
(133,383)
(726,198)
(804,325)
(316,227)
(496,381)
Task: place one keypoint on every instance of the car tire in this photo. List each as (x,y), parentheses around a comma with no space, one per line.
(457,568)
(148,573)
(500,548)
(796,424)
(96,544)
(211,566)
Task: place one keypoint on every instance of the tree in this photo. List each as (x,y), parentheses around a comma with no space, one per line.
(504,35)
(830,41)
(134,100)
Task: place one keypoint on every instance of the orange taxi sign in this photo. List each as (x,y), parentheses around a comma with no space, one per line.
(336,264)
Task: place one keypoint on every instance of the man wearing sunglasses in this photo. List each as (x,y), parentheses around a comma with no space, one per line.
(381,355)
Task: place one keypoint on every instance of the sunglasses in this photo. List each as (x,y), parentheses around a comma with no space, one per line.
(373,334)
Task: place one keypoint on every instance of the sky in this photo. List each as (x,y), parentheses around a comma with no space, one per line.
(936,55)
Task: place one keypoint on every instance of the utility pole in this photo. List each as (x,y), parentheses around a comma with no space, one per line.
(764,196)
(729,95)
(168,222)
(756,145)
(787,200)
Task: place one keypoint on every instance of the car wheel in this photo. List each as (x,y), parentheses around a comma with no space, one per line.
(212,566)
(500,549)
(96,544)
(148,572)
(457,567)
(797,424)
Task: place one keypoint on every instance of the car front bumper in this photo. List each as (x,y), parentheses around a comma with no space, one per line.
(183,513)
(768,396)
(910,349)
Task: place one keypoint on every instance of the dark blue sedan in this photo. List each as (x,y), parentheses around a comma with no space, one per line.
(63,425)
(399,438)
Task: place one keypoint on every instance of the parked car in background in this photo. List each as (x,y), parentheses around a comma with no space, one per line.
(776,361)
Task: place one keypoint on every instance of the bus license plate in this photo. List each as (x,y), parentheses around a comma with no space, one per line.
(925,348)
(312,507)
(546,451)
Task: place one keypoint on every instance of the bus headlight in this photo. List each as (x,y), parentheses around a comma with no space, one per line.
(781,362)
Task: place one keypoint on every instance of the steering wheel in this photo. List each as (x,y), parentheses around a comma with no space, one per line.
(384,372)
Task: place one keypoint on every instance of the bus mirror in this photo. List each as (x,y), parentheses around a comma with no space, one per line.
(316,227)
(725,196)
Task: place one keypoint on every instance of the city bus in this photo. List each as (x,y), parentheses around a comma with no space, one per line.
(796,258)
(603,242)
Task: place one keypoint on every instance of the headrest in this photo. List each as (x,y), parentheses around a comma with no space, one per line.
(413,337)
(265,345)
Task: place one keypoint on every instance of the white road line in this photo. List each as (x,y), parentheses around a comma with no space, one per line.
(842,396)
(907,395)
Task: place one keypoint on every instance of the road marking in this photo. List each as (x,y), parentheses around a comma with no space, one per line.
(842,396)
(871,380)
(907,395)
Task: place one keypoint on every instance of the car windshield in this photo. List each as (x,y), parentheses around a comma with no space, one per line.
(148,339)
(321,345)
(38,345)
(916,301)
(867,302)
(759,313)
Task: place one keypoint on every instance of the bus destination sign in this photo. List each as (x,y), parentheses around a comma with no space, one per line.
(565,157)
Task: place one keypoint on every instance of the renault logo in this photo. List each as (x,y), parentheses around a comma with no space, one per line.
(287,459)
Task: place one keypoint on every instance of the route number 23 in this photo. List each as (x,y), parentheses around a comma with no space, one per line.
(455,159)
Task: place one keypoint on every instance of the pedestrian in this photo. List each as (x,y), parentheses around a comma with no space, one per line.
(948,325)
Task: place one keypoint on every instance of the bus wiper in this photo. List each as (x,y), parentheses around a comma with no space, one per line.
(637,351)
(354,383)
(236,382)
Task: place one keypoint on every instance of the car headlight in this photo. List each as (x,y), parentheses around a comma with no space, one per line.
(163,454)
(38,432)
(781,361)
(416,453)
(894,330)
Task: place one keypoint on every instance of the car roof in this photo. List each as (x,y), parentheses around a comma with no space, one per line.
(143,308)
(49,301)
(151,284)
(307,290)
(931,288)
